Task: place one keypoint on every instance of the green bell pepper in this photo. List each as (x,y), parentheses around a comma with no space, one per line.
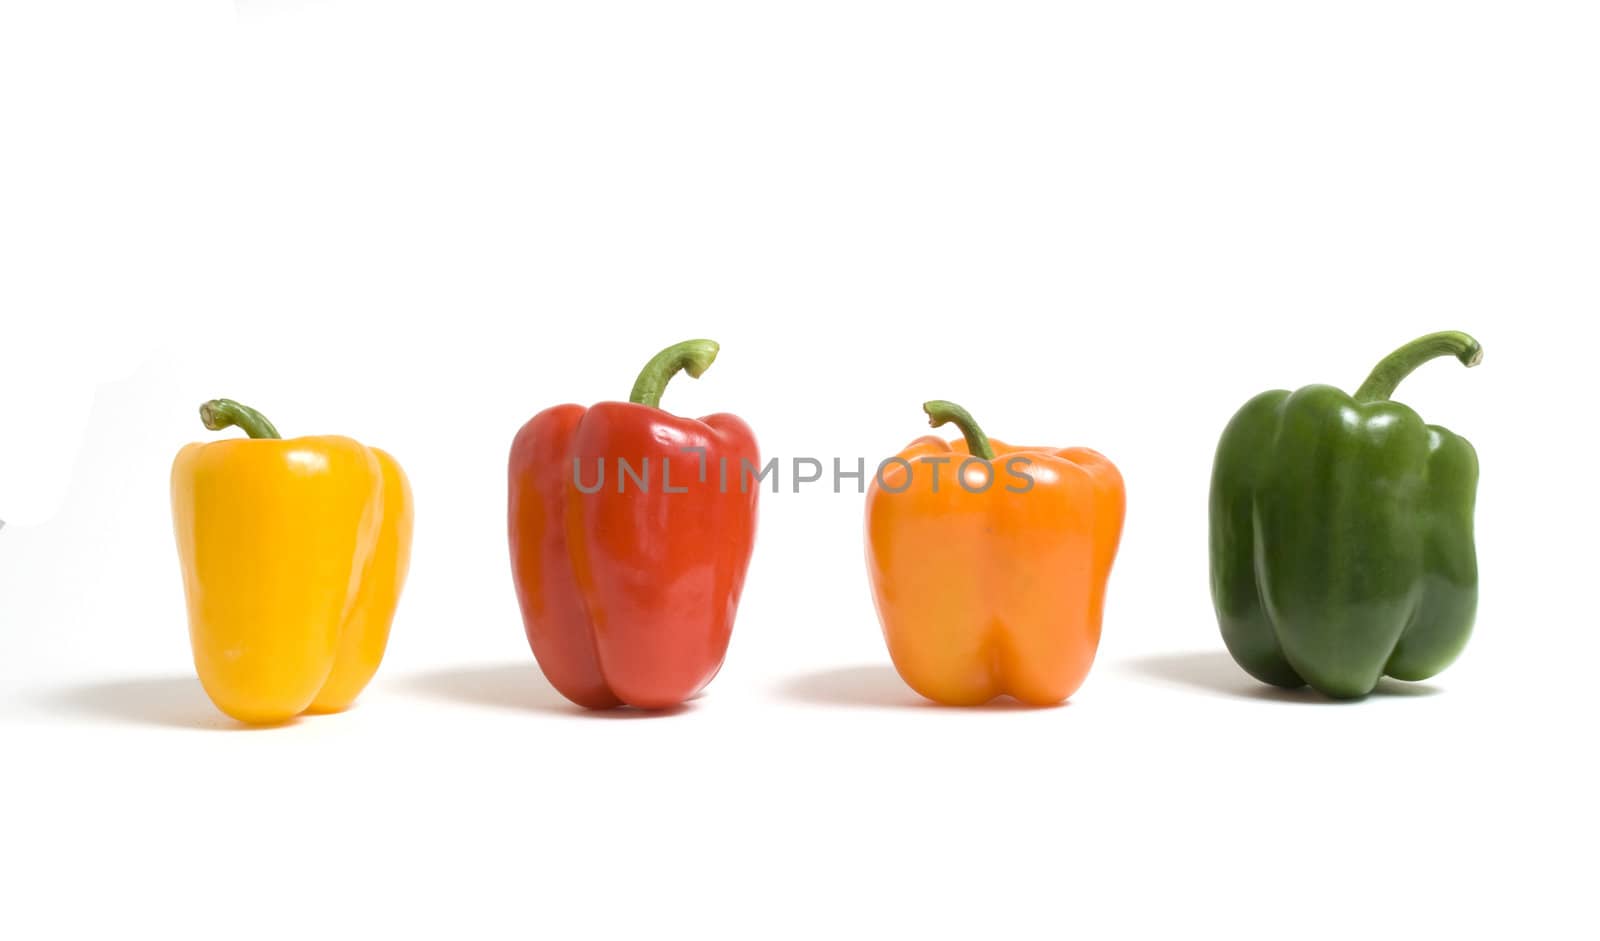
(1341,533)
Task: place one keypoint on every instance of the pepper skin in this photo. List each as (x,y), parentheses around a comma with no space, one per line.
(628,593)
(294,553)
(983,594)
(1341,533)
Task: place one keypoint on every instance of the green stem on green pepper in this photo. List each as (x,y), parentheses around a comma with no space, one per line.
(1399,364)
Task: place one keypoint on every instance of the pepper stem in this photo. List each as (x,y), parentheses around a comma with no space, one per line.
(218,414)
(692,356)
(1399,364)
(939,411)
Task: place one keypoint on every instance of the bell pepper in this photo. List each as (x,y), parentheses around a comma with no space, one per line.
(1341,533)
(294,553)
(630,532)
(991,582)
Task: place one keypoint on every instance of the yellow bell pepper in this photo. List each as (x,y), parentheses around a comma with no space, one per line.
(294,553)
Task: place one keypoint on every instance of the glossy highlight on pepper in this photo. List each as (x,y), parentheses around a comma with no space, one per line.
(986,587)
(294,553)
(1341,532)
(629,586)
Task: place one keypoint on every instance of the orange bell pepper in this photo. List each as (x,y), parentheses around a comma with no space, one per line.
(989,563)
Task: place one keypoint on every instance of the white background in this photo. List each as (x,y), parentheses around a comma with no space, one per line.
(1102,224)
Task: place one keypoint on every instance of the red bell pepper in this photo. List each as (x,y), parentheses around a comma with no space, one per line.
(630,531)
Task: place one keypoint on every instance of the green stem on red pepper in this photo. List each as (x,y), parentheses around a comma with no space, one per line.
(939,411)
(218,414)
(1399,364)
(691,356)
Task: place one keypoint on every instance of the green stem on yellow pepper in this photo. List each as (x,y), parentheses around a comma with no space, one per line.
(939,411)
(692,356)
(1399,364)
(218,414)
